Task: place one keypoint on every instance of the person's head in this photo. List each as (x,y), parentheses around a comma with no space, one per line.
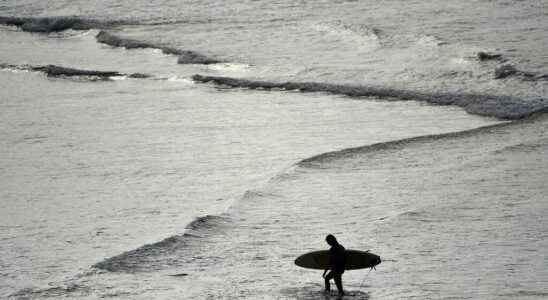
(331,240)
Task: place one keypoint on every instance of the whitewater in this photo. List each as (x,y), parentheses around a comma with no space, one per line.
(194,149)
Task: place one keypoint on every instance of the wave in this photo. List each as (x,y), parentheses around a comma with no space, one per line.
(58,71)
(52,292)
(503,107)
(505,71)
(526,294)
(524,147)
(184,56)
(320,160)
(56,24)
(485,56)
(161,255)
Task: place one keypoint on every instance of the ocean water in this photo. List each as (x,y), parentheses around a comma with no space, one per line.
(193,149)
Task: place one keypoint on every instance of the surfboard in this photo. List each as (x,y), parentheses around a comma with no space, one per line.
(354,260)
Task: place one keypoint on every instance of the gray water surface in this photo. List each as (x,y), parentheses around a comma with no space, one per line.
(109,185)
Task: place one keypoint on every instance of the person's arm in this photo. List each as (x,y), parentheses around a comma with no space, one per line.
(330,264)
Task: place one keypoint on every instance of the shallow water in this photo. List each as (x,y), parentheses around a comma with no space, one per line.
(111,184)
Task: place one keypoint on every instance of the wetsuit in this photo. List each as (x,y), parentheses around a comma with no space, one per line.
(337,261)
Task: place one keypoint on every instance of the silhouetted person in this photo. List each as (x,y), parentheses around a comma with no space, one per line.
(337,260)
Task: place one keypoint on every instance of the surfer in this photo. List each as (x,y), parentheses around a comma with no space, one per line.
(337,260)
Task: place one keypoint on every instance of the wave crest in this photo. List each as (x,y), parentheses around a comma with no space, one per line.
(56,24)
(163,254)
(320,160)
(504,107)
(505,71)
(60,291)
(59,71)
(324,160)
(184,56)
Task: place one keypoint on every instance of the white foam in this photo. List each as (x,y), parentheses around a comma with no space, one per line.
(157,51)
(230,67)
(356,33)
(71,33)
(176,78)
(119,78)
(14,70)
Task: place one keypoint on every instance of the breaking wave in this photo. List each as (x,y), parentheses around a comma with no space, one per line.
(184,56)
(58,71)
(504,107)
(163,254)
(56,24)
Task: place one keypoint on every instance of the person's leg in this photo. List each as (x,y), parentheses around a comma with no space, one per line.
(338,282)
(328,277)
